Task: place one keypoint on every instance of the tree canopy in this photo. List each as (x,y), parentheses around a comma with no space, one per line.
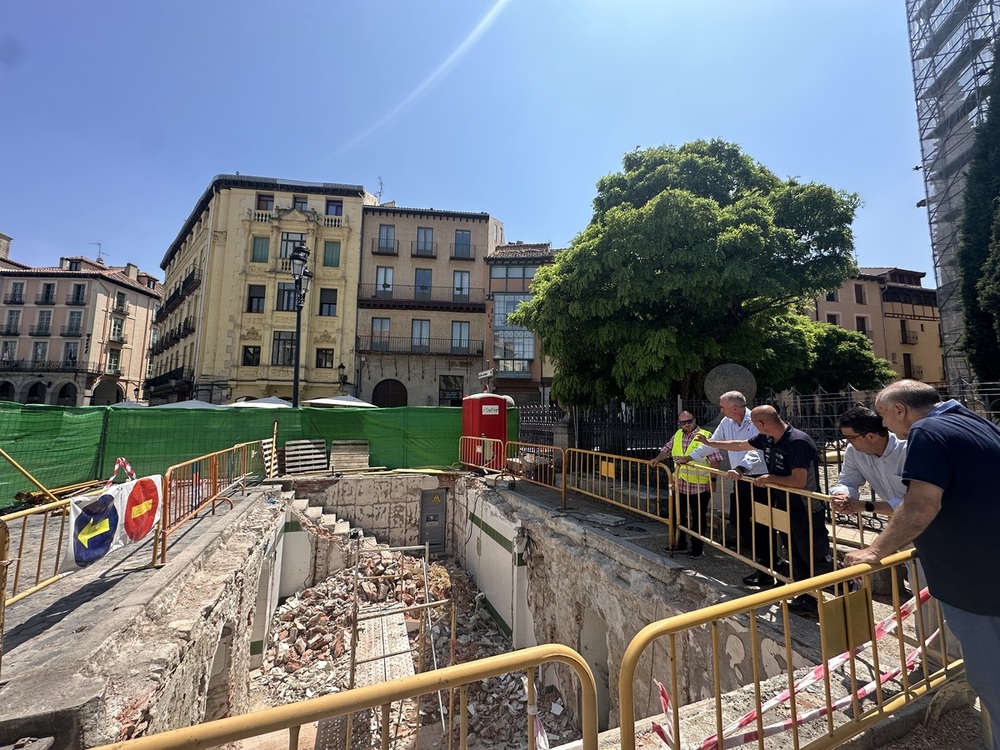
(691,252)
(978,253)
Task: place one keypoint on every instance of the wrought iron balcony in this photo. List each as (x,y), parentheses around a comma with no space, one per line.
(76,300)
(13,299)
(71,331)
(120,307)
(908,337)
(418,345)
(118,338)
(45,299)
(463,252)
(378,295)
(40,330)
(419,249)
(10,330)
(385,247)
(191,282)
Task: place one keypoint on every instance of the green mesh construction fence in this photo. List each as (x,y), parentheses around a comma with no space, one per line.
(61,446)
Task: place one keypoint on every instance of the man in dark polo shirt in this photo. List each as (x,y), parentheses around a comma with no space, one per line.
(790,455)
(951,514)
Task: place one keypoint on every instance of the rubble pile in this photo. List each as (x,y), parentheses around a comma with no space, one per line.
(309,650)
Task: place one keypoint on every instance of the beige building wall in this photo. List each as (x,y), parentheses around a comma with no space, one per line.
(228,282)
(898,315)
(422,322)
(75,335)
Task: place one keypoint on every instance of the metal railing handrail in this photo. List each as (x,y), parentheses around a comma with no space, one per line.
(602,472)
(293,716)
(481,452)
(745,606)
(546,460)
(205,490)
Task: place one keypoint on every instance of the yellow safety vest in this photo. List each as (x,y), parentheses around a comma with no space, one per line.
(687,472)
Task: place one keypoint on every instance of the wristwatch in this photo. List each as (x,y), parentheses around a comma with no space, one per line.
(869,506)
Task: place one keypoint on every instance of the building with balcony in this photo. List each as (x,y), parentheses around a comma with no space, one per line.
(227,325)
(519,366)
(901,318)
(74,335)
(422,306)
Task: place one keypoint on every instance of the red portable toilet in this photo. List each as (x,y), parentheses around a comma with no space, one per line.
(484,415)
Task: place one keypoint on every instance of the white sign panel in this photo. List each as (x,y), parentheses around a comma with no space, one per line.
(493,409)
(487,374)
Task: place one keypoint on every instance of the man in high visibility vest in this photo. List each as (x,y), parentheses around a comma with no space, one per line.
(694,485)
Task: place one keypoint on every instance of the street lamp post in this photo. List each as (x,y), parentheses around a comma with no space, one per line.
(302,277)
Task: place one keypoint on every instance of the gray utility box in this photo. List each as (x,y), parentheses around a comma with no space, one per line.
(432,518)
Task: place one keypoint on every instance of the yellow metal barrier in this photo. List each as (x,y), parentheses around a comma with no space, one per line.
(37,557)
(481,452)
(544,465)
(194,485)
(624,482)
(770,513)
(867,672)
(293,716)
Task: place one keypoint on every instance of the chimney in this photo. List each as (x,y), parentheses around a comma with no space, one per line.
(4,247)
(132,271)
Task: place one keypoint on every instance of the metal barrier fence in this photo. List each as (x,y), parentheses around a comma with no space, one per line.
(624,482)
(543,465)
(878,654)
(194,485)
(293,716)
(481,453)
(37,557)
(774,524)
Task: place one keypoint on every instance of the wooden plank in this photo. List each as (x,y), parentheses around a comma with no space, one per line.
(305,456)
(348,455)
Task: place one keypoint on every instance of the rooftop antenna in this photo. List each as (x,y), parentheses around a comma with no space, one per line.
(378,195)
(100,251)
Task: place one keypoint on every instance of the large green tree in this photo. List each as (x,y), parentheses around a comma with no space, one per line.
(977,255)
(689,249)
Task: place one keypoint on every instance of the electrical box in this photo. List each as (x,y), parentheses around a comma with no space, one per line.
(432,519)
(484,416)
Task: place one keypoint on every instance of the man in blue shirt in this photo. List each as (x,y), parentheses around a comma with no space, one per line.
(951,513)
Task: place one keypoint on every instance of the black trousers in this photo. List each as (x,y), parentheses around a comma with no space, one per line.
(693,513)
(808,543)
(741,501)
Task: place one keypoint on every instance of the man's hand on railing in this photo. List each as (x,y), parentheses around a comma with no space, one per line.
(861,556)
(732,475)
(681,460)
(842,503)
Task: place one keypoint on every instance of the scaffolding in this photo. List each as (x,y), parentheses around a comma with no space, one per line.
(951,47)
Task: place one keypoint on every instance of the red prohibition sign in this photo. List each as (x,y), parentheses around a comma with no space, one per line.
(140,508)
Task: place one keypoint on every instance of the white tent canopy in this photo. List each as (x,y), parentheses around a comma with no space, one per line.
(271,402)
(191,403)
(341,401)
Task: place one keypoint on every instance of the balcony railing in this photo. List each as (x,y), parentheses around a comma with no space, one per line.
(42,330)
(463,252)
(114,370)
(191,282)
(40,365)
(385,247)
(417,345)
(13,299)
(120,307)
(118,338)
(908,337)
(261,217)
(76,300)
(71,331)
(419,249)
(10,330)
(915,372)
(406,294)
(334,221)
(45,299)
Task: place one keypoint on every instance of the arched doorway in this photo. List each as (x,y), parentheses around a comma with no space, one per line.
(107,392)
(6,391)
(36,394)
(67,395)
(389,393)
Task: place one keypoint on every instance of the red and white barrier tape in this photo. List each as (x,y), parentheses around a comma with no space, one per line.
(665,733)
(120,463)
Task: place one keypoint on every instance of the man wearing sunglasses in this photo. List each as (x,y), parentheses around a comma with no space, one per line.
(694,485)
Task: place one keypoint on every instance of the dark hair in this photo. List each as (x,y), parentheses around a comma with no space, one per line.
(863,420)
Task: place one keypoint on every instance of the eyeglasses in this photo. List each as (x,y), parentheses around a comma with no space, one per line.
(687,421)
(852,437)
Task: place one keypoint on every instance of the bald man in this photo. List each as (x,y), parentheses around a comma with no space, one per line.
(790,455)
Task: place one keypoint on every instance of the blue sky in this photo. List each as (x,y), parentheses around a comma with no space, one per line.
(116,114)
